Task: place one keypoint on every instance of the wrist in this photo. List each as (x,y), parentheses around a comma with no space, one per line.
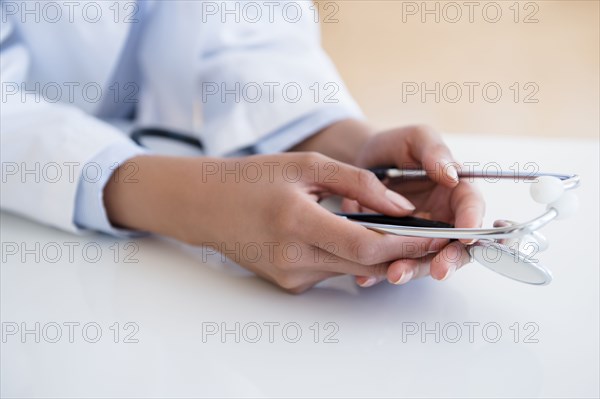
(157,194)
(343,140)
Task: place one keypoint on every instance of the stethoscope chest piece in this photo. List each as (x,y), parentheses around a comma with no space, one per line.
(510,263)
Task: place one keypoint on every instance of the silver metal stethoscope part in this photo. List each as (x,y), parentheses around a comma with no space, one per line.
(569,181)
(532,242)
(512,230)
(509,262)
(507,248)
(451,233)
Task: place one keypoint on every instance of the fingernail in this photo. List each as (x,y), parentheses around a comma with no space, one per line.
(470,242)
(453,173)
(450,272)
(437,244)
(404,277)
(366,281)
(399,200)
(451,170)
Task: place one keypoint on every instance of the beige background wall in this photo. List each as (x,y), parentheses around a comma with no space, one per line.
(382,58)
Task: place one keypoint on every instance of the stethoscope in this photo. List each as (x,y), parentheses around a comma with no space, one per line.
(508,248)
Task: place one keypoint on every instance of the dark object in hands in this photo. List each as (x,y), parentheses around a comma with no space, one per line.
(408,221)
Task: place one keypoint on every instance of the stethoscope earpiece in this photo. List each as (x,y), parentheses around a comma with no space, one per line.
(546,189)
(550,190)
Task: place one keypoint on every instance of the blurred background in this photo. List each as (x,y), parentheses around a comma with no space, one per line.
(503,67)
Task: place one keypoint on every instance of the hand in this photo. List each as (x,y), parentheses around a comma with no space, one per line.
(263,213)
(442,197)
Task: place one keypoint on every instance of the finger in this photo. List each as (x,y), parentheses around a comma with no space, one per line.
(468,207)
(404,270)
(366,275)
(450,259)
(298,282)
(325,260)
(350,206)
(427,147)
(350,241)
(363,186)
(365,282)
(310,281)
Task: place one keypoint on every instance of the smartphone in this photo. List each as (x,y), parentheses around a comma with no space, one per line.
(408,221)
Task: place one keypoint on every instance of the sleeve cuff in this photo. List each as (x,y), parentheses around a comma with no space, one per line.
(299,130)
(90,212)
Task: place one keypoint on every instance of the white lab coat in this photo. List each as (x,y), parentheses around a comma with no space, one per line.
(180,51)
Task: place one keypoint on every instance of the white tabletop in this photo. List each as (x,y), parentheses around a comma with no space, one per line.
(371,342)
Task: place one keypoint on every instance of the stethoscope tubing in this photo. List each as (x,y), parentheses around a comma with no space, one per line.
(140,133)
(569,181)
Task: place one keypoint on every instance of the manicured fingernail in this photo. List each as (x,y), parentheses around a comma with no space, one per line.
(404,277)
(453,173)
(451,169)
(449,273)
(399,200)
(470,242)
(366,281)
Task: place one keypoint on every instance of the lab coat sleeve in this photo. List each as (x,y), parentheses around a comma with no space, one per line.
(90,212)
(268,84)
(297,131)
(47,148)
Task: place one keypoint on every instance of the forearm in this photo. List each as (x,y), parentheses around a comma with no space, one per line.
(161,195)
(341,140)
(158,194)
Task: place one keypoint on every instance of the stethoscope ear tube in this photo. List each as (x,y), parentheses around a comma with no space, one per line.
(382,173)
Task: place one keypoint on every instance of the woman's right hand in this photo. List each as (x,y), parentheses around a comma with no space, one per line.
(263,213)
